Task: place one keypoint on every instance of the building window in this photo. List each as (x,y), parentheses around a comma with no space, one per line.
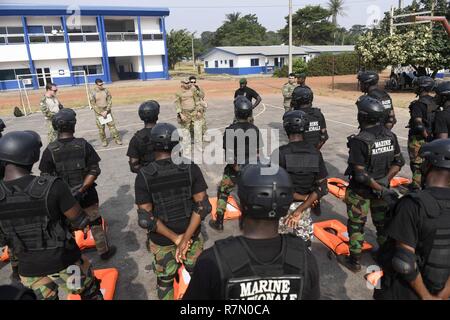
(52,29)
(15,30)
(206,64)
(216,64)
(3,30)
(130,37)
(157,37)
(89,29)
(225,61)
(37,39)
(91,37)
(56,38)
(76,38)
(11,74)
(231,63)
(254,62)
(35,29)
(95,69)
(16,39)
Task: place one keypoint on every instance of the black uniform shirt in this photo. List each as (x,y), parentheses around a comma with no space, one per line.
(42,263)
(286,149)
(143,196)
(252,148)
(206,283)
(135,149)
(359,154)
(247,92)
(92,159)
(442,122)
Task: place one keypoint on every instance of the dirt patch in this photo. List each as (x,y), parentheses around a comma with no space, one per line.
(135,92)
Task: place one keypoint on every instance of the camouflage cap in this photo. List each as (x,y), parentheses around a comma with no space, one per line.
(243,81)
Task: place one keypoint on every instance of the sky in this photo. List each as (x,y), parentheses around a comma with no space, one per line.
(208,15)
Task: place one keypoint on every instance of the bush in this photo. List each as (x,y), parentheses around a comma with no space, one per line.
(298,66)
(344,63)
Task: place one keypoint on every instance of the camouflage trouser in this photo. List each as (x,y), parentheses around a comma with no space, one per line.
(224,190)
(304,228)
(112,128)
(414,145)
(287,106)
(165,265)
(195,126)
(249,119)
(101,241)
(52,135)
(76,279)
(358,210)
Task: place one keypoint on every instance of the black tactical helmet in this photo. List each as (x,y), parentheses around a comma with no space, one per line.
(2,127)
(20,147)
(302,96)
(264,196)
(370,110)
(149,111)
(368,78)
(242,107)
(164,137)
(64,120)
(424,83)
(437,153)
(443,91)
(294,122)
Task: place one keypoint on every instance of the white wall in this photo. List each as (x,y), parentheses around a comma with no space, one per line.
(149,25)
(43,51)
(55,66)
(123,48)
(10,22)
(86,61)
(88,21)
(13,52)
(153,64)
(244,61)
(14,65)
(153,48)
(221,56)
(85,49)
(43,21)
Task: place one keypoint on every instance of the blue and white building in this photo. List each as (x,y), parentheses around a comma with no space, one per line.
(260,59)
(53,41)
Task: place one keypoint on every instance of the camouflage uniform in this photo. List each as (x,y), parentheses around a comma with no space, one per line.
(46,287)
(190,103)
(226,185)
(101,101)
(358,209)
(166,267)
(415,142)
(287,91)
(98,233)
(49,107)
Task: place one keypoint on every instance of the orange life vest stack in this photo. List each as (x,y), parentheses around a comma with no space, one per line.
(108,280)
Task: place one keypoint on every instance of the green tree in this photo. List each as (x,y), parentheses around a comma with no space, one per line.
(336,8)
(420,46)
(179,44)
(240,30)
(273,38)
(310,26)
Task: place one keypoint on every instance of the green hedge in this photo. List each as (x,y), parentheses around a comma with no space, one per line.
(298,66)
(344,63)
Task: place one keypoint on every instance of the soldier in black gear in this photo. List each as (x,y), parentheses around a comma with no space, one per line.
(368,82)
(241,143)
(442,123)
(75,161)
(172,201)
(421,125)
(308,173)
(2,166)
(316,133)
(374,159)
(416,258)
(30,205)
(140,150)
(260,264)
(2,127)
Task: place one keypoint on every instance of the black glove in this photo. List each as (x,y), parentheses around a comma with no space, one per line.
(389,196)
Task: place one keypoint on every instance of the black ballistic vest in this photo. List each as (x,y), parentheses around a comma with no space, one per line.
(25,220)
(146,151)
(383,97)
(381,151)
(170,187)
(431,112)
(434,257)
(302,164)
(70,160)
(313,133)
(244,277)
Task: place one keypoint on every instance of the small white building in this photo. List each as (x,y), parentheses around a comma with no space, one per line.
(58,43)
(260,59)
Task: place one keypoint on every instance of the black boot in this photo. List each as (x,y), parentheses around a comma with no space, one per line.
(15,278)
(350,262)
(216,224)
(105,256)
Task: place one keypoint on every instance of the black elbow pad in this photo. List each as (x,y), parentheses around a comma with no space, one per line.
(404,263)
(146,220)
(81,221)
(362,177)
(399,160)
(203,208)
(324,136)
(95,170)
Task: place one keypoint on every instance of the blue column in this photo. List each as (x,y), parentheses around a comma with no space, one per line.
(166,57)
(144,75)
(30,59)
(66,40)
(105,45)
(102,38)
